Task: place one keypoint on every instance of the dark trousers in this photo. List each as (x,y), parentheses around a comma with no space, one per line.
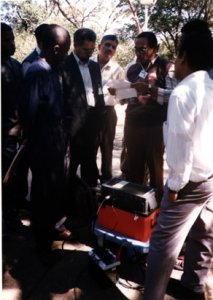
(83,149)
(145,150)
(105,142)
(22,177)
(47,196)
(9,189)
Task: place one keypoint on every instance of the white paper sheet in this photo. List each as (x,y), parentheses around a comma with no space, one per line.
(123,89)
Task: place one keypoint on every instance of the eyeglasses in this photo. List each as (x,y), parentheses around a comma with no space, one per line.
(141,50)
(108,45)
(88,49)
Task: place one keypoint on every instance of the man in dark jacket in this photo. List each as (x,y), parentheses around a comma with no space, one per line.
(153,77)
(35,54)
(42,114)
(84,103)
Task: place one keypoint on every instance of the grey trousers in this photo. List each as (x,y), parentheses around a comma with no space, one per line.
(191,217)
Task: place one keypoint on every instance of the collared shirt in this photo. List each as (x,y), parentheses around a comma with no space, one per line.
(170,83)
(85,73)
(188,131)
(111,71)
(170,80)
(26,64)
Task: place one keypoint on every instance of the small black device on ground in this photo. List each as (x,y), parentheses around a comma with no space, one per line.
(104,258)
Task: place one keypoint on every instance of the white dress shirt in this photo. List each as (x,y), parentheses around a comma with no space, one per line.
(188,132)
(84,69)
(111,71)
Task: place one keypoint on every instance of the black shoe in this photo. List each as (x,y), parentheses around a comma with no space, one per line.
(177,290)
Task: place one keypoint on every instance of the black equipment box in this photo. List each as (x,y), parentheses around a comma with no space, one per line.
(128,208)
(129,196)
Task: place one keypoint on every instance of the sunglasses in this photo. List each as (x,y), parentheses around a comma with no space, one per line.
(141,49)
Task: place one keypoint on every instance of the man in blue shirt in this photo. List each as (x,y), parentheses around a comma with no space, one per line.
(42,114)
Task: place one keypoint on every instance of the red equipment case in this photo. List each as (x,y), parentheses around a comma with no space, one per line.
(128,208)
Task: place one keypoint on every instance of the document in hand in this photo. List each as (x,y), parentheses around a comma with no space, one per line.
(123,89)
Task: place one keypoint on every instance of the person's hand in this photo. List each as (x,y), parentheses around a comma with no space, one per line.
(141,87)
(173,195)
(112,91)
(144,99)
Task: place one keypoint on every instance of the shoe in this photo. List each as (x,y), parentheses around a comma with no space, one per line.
(177,290)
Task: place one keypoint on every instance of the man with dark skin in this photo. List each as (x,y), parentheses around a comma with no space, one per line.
(34,55)
(11,85)
(42,114)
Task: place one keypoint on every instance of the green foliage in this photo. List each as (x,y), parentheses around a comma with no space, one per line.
(168,17)
(125,53)
(25,43)
(24,16)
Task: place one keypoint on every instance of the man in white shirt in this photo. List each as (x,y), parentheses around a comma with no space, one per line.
(110,70)
(187,205)
(84,105)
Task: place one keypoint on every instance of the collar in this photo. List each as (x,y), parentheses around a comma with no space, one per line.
(154,60)
(151,63)
(79,62)
(107,66)
(38,50)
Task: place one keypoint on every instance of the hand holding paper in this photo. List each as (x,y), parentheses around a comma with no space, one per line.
(122,89)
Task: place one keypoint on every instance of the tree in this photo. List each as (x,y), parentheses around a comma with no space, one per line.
(168,17)
(24,16)
(96,14)
(122,17)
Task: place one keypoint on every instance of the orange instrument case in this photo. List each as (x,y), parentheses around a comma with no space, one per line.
(128,208)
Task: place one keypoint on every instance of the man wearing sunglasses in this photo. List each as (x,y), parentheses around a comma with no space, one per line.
(110,70)
(84,104)
(153,77)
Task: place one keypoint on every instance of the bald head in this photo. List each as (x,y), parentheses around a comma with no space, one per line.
(55,34)
(55,43)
